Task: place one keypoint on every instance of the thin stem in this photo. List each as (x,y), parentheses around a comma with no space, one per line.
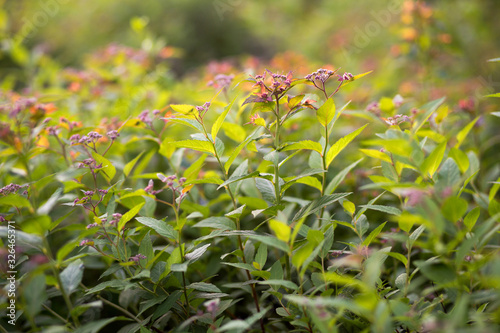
(55,314)
(125,311)
(276,160)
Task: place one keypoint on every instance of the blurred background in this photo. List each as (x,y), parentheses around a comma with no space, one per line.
(411,45)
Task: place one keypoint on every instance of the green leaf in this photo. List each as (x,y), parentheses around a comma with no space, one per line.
(306,144)
(237,150)
(431,163)
(398,256)
(280,229)
(460,158)
(415,235)
(96,325)
(182,108)
(373,234)
(216,222)
(34,294)
(326,112)
(107,167)
(328,243)
(341,144)
(385,209)
(161,227)
(271,241)
(203,146)
(234,131)
(220,120)
(192,171)
(146,249)
(168,304)
(130,165)
(15,200)
(430,108)
(237,178)
(114,284)
(316,205)
(463,133)
(236,213)
(281,283)
(129,215)
(276,271)
(261,256)
(494,95)
(203,286)
(471,218)
(71,276)
(454,208)
(332,186)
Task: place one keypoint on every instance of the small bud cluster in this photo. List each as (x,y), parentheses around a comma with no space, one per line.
(145,117)
(172,183)
(137,257)
(321,75)
(89,162)
(212,306)
(202,110)
(279,84)
(116,218)
(86,242)
(397,119)
(12,188)
(346,77)
(113,135)
(52,130)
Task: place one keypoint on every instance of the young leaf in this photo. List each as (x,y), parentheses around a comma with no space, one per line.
(463,133)
(220,120)
(316,205)
(203,146)
(161,227)
(71,276)
(129,215)
(281,229)
(341,144)
(107,167)
(373,234)
(431,163)
(130,165)
(306,144)
(326,112)
(471,218)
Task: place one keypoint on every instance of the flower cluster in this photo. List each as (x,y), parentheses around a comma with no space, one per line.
(202,110)
(11,188)
(113,135)
(221,81)
(321,75)
(279,84)
(397,119)
(19,105)
(86,242)
(346,77)
(115,219)
(145,117)
(137,257)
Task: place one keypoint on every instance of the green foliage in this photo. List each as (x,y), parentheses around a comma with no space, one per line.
(251,212)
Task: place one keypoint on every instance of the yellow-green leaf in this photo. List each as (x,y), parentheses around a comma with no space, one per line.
(203,146)
(326,112)
(107,166)
(306,144)
(463,133)
(220,120)
(341,144)
(431,163)
(129,215)
(282,230)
